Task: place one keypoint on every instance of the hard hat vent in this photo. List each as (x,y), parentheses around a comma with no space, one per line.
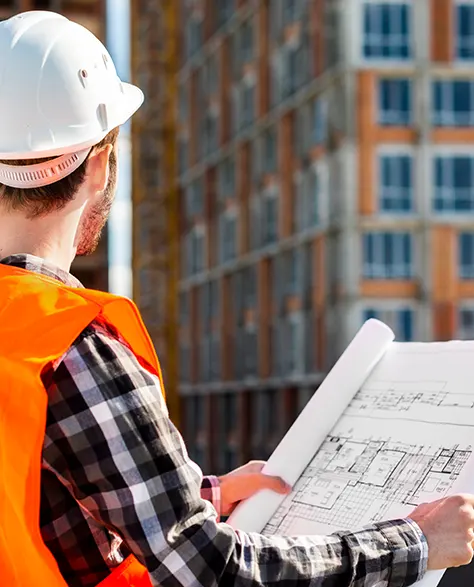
(41,174)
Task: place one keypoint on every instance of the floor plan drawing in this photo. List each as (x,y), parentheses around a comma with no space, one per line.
(352,482)
(385,456)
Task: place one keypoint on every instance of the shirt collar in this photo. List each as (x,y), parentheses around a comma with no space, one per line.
(41,266)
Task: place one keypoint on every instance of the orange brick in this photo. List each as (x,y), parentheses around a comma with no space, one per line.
(444,248)
(365,128)
(381,288)
(442,30)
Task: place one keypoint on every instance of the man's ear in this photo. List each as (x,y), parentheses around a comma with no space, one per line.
(98,168)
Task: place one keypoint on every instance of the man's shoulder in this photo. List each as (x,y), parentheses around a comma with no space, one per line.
(97,345)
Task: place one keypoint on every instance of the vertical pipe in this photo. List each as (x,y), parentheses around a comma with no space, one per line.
(118,32)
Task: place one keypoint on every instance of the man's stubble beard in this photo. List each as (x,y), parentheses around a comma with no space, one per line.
(93,224)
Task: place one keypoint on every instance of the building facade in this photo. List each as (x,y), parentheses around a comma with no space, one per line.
(92,271)
(325,175)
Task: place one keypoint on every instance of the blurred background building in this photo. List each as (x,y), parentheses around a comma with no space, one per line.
(324,175)
(299,166)
(91,271)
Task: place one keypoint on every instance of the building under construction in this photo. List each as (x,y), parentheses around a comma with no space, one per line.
(300,166)
(92,271)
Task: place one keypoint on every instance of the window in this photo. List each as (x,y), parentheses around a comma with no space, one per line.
(454,183)
(299,202)
(320,121)
(466,323)
(287,340)
(183,107)
(395,102)
(183,154)
(228,235)
(269,229)
(387,30)
(453,103)
(466,255)
(193,34)
(388,255)
(269,148)
(246,102)
(226,178)
(246,42)
(195,251)
(195,199)
(396,183)
(249,287)
(210,76)
(209,339)
(292,271)
(313,197)
(400,320)
(291,10)
(224,10)
(184,308)
(210,132)
(184,362)
(196,422)
(294,344)
(228,422)
(294,66)
(465,31)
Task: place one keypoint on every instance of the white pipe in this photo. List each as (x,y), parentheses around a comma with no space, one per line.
(118,40)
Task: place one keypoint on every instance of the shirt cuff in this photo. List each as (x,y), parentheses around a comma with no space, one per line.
(424,543)
(410,551)
(211,491)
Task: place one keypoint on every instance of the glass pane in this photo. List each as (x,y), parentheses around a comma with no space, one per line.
(438,96)
(462,172)
(407,256)
(370,313)
(369,248)
(405,318)
(405,95)
(405,166)
(461,96)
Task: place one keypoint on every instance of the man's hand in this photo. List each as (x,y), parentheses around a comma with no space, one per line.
(245,482)
(448,527)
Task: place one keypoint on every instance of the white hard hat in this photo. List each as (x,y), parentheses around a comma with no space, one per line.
(59,96)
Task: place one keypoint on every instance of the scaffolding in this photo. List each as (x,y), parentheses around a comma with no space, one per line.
(155,188)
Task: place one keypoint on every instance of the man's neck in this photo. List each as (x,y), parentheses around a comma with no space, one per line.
(39,237)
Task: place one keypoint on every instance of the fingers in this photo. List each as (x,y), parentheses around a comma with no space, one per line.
(276,484)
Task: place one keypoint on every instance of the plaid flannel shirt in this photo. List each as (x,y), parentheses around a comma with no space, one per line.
(116,479)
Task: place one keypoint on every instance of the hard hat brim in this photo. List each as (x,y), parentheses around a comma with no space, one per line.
(131,100)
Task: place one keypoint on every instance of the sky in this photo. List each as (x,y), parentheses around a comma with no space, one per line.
(120,223)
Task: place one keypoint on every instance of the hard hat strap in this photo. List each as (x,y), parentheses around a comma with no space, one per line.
(42,174)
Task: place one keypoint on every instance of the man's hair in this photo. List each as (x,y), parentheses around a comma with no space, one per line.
(43,200)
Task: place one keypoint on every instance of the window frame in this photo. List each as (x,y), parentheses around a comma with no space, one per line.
(450,113)
(447,153)
(457,4)
(394,307)
(389,151)
(464,306)
(383,121)
(465,272)
(398,269)
(396,60)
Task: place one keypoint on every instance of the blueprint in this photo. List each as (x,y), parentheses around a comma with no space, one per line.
(398,444)
(404,436)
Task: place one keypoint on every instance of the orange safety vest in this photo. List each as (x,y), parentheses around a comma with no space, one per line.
(39,320)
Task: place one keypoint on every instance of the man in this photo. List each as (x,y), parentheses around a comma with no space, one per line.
(121,503)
